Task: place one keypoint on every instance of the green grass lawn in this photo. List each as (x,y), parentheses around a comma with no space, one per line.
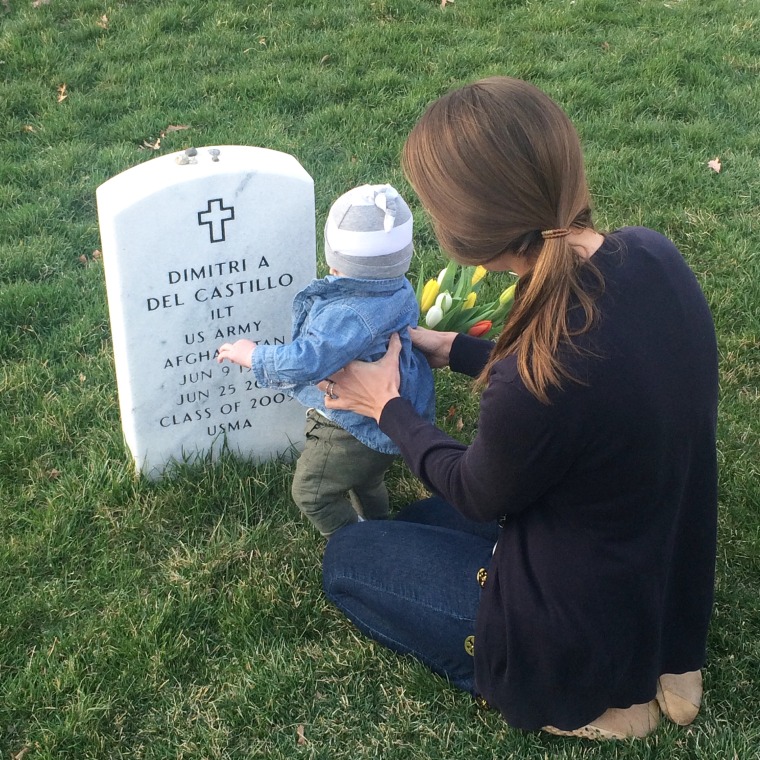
(185,619)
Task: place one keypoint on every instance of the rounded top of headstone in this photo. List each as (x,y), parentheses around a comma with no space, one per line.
(149,178)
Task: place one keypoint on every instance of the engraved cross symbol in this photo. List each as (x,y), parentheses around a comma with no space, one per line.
(215,216)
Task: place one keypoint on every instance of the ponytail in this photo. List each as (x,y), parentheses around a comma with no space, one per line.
(537,326)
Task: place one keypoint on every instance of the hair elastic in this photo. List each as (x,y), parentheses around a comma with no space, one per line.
(558,233)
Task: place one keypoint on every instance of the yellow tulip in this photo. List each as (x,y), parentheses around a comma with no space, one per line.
(469,302)
(429,292)
(478,274)
(507,295)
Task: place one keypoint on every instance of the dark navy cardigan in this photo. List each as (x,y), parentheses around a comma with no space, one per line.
(602,578)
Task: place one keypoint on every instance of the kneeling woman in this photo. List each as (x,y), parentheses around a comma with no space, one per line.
(564,571)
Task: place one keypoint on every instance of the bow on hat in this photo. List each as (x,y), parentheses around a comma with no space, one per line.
(385,199)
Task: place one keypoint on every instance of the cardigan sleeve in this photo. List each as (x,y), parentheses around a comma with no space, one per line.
(469,355)
(520,451)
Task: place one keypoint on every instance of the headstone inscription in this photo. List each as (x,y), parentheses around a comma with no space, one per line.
(200,248)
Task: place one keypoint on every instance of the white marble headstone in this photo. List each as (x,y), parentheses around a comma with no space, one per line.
(200,250)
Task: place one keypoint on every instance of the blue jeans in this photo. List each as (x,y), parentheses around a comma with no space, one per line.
(412,583)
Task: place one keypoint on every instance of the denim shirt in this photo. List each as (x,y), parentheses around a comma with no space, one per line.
(337,320)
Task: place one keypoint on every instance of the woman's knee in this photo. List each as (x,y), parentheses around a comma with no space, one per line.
(340,552)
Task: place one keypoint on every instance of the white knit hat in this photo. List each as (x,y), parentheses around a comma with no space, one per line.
(368,233)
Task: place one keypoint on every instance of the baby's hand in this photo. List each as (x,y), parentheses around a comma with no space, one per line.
(238,352)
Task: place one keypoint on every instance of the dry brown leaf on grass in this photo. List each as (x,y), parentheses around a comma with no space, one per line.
(300,734)
(38,3)
(715,164)
(459,424)
(85,261)
(102,22)
(29,128)
(444,3)
(62,94)
(156,145)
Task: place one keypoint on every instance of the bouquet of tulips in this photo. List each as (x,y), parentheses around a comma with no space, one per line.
(451,303)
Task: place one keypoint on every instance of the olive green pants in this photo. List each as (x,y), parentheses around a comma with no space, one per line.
(339,478)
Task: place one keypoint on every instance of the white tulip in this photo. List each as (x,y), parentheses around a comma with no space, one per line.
(434,316)
(444,300)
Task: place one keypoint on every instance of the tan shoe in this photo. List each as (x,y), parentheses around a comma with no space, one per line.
(635,721)
(680,696)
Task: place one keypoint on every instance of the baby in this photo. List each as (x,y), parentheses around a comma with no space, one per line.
(350,314)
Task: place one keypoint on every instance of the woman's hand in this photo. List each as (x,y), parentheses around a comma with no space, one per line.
(435,345)
(365,387)
(238,352)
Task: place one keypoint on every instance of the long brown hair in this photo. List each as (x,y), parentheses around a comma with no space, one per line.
(495,163)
